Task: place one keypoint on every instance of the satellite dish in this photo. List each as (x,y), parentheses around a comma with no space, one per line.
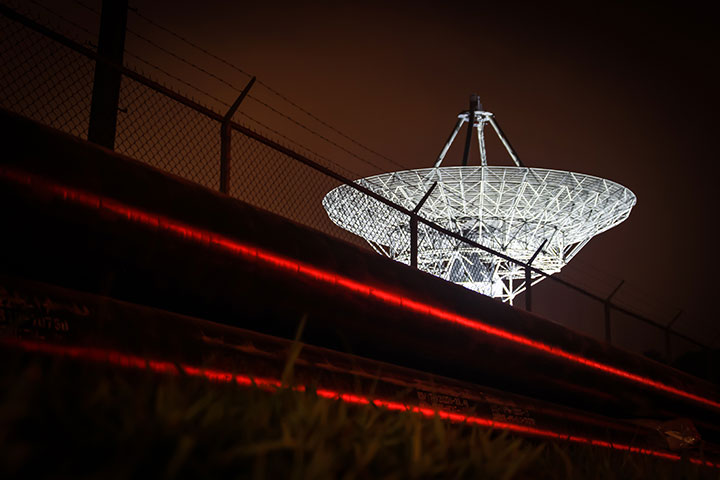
(519,211)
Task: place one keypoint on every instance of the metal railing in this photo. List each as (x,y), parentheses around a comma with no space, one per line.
(48,77)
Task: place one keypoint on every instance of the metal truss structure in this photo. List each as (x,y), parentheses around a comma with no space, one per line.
(533,215)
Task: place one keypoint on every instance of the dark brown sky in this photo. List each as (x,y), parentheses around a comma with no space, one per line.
(622,92)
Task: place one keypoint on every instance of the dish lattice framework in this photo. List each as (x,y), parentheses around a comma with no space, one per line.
(518,211)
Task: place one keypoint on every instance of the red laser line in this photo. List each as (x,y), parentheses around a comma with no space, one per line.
(270,384)
(213,239)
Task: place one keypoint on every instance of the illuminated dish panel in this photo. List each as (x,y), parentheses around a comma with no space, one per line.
(514,210)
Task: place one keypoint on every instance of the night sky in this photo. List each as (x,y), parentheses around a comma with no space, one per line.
(622,92)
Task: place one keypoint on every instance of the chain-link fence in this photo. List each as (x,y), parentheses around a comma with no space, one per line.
(44,80)
(168,135)
(49,78)
(269,179)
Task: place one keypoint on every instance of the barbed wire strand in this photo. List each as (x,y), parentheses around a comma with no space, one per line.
(264,84)
(230,85)
(374,152)
(254,98)
(176,78)
(64,18)
(290,140)
(259,81)
(268,87)
(226,104)
(199,90)
(629,288)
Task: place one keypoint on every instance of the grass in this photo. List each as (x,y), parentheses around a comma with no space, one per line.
(65,419)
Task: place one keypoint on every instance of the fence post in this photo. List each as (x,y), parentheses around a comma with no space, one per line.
(106,83)
(414,226)
(225,136)
(528,288)
(607,306)
(528,277)
(413,241)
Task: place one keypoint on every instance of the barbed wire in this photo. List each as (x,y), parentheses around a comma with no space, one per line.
(237,89)
(222,102)
(64,18)
(186,40)
(331,142)
(629,289)
(168,51)
(256,99)
(194,87)
(230,85)
(404,167)
(176,78)
(265,85)
(290,140)
(226,104)
(628,294)
(634,296)
(128,52)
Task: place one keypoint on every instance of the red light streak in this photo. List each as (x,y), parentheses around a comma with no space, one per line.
(270,384)
(282,263)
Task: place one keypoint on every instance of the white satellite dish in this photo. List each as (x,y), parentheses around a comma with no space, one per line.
(515,210)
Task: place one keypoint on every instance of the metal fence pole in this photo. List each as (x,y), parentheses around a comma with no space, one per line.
(528,277)
(528,290)
(413,241)
(106,84)
(225,139)
(414,226)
